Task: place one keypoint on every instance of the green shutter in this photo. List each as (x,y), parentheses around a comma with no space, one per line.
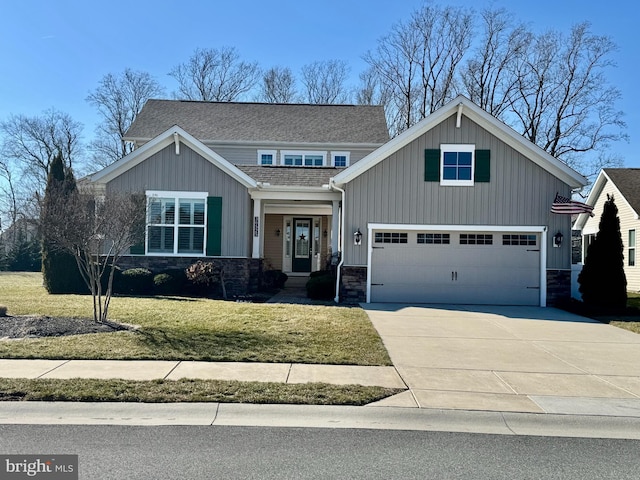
(483,166)
(214,226)
(432,165)
(138,248)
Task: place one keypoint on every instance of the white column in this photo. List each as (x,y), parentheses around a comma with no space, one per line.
(256,226)
(335,225)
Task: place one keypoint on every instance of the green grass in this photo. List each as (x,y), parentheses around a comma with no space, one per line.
(195,329)
(164,391)
(631,323)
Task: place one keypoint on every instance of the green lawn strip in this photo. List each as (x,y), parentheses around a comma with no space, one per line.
(630,320)
(196,329)
(166,391)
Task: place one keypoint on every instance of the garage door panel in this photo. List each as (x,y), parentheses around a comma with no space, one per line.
(455,273)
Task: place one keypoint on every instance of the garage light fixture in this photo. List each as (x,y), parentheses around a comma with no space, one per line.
(557,239)
(357,237)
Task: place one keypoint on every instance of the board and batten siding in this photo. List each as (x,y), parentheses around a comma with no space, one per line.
(628,222)
(191,172)
(394,191)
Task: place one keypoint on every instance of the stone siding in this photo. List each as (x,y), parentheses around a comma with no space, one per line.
(242,275)
(353,284)
(558,286)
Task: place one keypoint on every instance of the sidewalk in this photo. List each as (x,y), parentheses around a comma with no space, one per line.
(174,370)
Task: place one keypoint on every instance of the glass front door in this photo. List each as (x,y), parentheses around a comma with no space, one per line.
(302,245)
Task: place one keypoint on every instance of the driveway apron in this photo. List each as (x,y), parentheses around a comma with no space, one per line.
(513,359)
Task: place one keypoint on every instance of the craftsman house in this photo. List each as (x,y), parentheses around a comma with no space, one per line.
(454,210)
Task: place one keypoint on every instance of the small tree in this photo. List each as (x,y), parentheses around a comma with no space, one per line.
(97,231)
(602,280)
(207,273)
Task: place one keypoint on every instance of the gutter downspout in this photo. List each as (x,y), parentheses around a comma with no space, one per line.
(332,186)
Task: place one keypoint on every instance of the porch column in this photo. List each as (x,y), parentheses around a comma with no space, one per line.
(257,227)
(335,225)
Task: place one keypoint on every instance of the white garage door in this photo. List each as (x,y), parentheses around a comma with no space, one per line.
(456,267)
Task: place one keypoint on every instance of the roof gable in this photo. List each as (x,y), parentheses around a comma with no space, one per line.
(166,138)
(466,107)
(625,180)
(262,122)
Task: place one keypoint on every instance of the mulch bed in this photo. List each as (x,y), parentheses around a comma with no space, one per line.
(36,326)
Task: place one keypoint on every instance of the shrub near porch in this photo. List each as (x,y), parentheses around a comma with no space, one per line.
(176,328)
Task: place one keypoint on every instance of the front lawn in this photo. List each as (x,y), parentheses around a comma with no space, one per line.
(174,328)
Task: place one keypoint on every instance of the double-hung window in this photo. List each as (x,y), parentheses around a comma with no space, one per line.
(457,164)
(176,223)
(631,251)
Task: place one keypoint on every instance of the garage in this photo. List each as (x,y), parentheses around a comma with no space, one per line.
(475,266)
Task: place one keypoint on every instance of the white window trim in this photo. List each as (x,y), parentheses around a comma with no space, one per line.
(632,247)
(175,195)
(304,153)
(452,147)
(274,153)
(335,154)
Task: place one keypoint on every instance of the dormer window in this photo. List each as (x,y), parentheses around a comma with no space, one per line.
(266,157)
(340,159)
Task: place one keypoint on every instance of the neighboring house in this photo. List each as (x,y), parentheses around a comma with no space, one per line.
(624,185)
(454,210)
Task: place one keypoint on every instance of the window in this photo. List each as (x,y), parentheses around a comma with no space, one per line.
(306,159)
(176,223)
(434,238)
(391,237)
(519,240)
(631,257)
(266,157)
(476,239)
(340,159)
(456,164)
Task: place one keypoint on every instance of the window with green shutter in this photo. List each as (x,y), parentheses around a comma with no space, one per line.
(457,165)
(214,226)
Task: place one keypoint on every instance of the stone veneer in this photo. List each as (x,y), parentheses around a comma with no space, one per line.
(242,275)
(353,284)
(558,286)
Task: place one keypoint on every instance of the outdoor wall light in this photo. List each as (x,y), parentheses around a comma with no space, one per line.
(357,237)
(324,234)
(557,239)
(277,232)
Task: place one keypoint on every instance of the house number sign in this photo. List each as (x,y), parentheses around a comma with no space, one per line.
(256,226)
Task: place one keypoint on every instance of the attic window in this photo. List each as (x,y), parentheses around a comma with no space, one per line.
(457,164)
(303,159)
(266,157)
(340,159)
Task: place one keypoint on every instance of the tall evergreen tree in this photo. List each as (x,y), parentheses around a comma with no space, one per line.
(59,269)
(602,280)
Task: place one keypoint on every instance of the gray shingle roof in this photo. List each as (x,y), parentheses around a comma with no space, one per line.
(627,180)
(291,176)
(257,122)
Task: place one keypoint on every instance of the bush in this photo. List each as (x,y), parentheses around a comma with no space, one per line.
(321,286)
(3,311)
(273,279)
(135,281)
(179,280)
(207,274)
(165,284)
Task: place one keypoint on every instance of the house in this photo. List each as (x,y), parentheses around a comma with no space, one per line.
(250,182)
(454,210)
(624,185)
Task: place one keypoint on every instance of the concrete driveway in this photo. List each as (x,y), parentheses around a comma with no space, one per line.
(515,359)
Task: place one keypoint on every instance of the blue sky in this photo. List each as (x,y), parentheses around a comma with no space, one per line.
(55,52)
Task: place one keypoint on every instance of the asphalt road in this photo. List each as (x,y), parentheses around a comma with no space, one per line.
(219,452)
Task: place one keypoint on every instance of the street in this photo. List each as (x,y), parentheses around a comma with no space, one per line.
(210,452)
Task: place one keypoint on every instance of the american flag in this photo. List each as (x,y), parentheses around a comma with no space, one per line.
(565,206)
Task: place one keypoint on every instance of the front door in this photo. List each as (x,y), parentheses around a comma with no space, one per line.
(301,245)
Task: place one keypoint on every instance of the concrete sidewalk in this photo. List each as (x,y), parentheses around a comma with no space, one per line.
(175,370)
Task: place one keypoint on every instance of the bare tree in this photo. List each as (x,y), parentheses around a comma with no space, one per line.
(417,62)
(563,101)
(119,98)
(215,75)
(488,76)
(278,86)
(325,82)
(34,141)
(97,231)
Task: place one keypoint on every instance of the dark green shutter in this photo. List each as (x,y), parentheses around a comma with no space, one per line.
(483,166)
(138,248)
(214,226)
(432,165)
